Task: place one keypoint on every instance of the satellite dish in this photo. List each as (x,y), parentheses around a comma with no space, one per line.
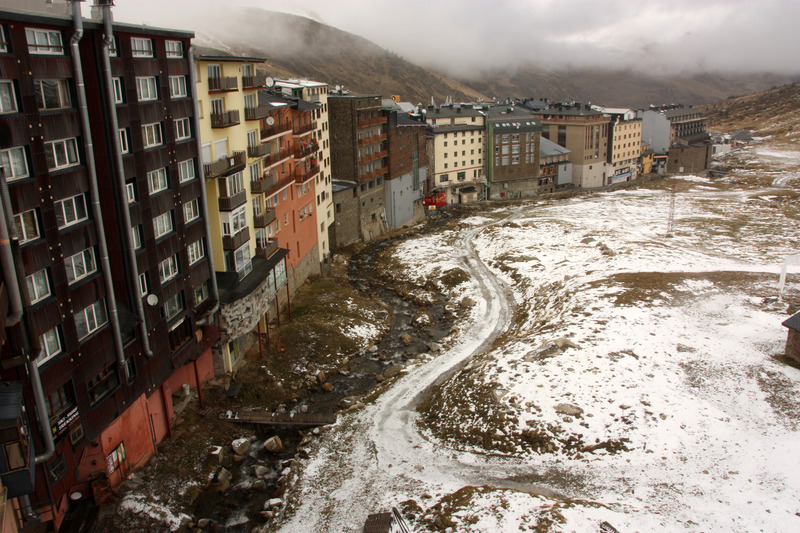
(270,121)
(338,88)
(270,82)
(152,300)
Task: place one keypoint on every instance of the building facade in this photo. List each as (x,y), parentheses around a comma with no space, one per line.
(113,312)
(513,137)
(556,168)
(625,144)
(408,169)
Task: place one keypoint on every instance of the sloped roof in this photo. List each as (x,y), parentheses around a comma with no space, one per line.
(548,148)
(793,322)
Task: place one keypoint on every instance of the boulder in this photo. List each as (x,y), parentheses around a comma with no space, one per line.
(321,377)
(327,386)
(241,446)
(260,470)
(405,338)
(466,302)
(434,347)
(217,453)
(223,479)
(372,348)
(568,409)
(392,371)
(273,444)
(563,343)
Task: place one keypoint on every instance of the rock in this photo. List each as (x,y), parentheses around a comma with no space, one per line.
(267,515)
(238,458)
(346,403)
(405,338)
(203,523)
(662,416)
(434,347)
(568,409)
(260,470)
(587,240)
(498,394)
(565,343)
(272,503)
(379,378)
(223,479)
(217,453)
(321,377)
(327,386)
(302,453)
(260,484)
(392,371)
(372,348)
(303,408)
(273,444)
(241,446)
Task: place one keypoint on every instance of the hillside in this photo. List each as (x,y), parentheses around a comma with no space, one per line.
(298,46)
(773,112)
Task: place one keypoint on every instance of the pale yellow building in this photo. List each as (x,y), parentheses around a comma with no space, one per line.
(625,144)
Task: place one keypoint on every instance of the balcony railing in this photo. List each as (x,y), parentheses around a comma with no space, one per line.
(373,156)
(305,150)
(222,84)
(371,122)
(264,219)
(234,242)
(229,203)
(374,174)
(256,113)
(225,119)
(274,184)
(306,174)
(258,81)
(276,129)
(263,184)
(271,246)
(224,164)
(277,157)
(302,129)
(371,140)
(258,150)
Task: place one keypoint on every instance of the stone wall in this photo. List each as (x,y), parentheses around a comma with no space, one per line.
(793,346)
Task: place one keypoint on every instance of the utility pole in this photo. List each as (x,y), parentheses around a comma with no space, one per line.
(671,221)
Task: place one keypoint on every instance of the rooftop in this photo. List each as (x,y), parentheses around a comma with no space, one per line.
(548,148)
(205,53)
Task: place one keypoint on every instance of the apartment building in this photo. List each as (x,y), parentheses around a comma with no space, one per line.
(625,146)
(359,154)
(458,145)
(512,139)
(408,168)
(112,299)
(555,168)
(678,137)
(585,132)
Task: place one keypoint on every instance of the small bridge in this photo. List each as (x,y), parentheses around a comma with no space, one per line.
(279,419)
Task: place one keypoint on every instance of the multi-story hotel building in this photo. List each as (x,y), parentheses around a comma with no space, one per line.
(109,275)
(513,136)
(625,144)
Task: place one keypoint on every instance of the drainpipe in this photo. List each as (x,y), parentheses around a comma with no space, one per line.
(208,319)
(83,111)
(7,259)
(119,174)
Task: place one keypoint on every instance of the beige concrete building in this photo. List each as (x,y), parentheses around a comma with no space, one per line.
(625,144)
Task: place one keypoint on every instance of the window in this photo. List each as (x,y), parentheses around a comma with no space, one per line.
(157,180)
(130,192)
(144,284)
(141,47)
(58,468)
(182,129)
(15,163)
(51,94)
(168,269)
(70,211)
(177,86)
(174,49)
(174,306)
(44,41)
(118,94)
(124,148)
(151,134)
(136,237)
(196,251)
(27,226)
(241,260)
(3,41)
(444,177)
(90,319)
(80,265)
(234,221)
(61,154)
(186,170)
(38,286)
(8,100)
(102,384)
(146,88)
(162,224)
(191,210)
(51,345)
(200,294)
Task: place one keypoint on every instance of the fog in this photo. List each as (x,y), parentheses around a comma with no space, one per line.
(466,36)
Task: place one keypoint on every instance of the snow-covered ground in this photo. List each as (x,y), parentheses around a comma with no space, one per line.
(635,373)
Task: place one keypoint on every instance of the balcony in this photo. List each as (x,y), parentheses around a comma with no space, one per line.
(233,243)
(259,150)
(366,123)
(225,165)
(269,248)
(370,140)
(301,151)
(302,129)
(229,203)
(222,85)
(373,156)
(274,184)
(277,157)
(374,174)
(225,119)
(259,81)
(256,113)
(276,129)
(264,219)
(302,174)
(262,185)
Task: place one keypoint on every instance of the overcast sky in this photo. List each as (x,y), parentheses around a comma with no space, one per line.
(465,35)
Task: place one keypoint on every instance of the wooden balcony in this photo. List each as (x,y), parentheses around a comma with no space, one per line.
(234,242)
(373,156)
(264,219)
(371,122)
(277,157)
(271,246)
(229,203)
(276,184)
(275,129)
(262,185)
(259,150)
(225,119)
(259,81)
(371,140)
(374,174)
(224,84)
(302,174)
(225,165)
(302,129)
(256,113)
(305,151)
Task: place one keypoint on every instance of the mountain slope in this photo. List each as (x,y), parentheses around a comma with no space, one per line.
(774,112)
